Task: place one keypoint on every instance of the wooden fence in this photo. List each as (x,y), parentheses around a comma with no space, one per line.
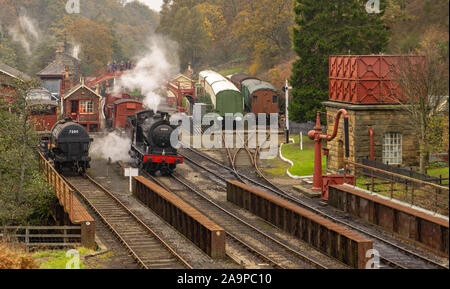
(42,236)
(62,189)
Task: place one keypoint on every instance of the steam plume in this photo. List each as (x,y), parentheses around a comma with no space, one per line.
(112,146)
(76,51)
(26,32)
(151,73)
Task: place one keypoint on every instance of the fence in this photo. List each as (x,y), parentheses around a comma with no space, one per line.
(416,192)
(404,172)
(43,236)
(62,190)
(72,206)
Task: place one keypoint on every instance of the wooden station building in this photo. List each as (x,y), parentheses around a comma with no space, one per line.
(82,104)
(364,86)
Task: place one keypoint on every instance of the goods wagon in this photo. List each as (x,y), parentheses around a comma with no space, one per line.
(68,146)
(108,107)
(237,79)
(260,96)
(124,108)
(224,95)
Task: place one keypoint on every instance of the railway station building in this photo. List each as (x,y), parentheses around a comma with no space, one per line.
(8,75)
(83,105)
(53,75)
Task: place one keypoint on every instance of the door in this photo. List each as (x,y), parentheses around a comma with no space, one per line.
(74,109)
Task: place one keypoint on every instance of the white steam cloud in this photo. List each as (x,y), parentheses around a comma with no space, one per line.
(29,26)
(25,32)
(76,51)
(18,36)
(113,146)
(151,73)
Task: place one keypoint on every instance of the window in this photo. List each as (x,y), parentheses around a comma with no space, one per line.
(52,85)
(392,149)
(43,110)
(275,99)
(86,106)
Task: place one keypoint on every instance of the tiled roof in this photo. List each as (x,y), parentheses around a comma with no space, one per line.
(58,66)
(13,72)
(77,87)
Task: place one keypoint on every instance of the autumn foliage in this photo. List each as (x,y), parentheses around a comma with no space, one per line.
(216,32)
(13,258)
(95,40)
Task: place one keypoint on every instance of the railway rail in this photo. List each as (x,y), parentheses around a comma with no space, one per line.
(394,254)
(148,249)
(281,256)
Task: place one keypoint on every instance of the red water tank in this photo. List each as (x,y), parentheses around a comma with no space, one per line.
(367,79)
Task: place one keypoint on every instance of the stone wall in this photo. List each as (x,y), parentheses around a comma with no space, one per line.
(382,119)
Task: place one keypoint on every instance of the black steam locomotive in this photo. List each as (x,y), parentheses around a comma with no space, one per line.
(151,147)
(68,146)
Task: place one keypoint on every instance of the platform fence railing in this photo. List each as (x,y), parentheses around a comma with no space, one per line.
(427,195)
(63,191)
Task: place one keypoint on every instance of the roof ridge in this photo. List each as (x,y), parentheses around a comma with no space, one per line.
(13,72)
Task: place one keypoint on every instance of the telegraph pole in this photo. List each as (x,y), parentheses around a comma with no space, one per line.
(286,90)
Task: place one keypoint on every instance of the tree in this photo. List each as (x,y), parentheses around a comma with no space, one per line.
(7,55)
(95,41)
(408,22)
(24,195)
(327,28)
(188,27)
(264,29)
(425,88)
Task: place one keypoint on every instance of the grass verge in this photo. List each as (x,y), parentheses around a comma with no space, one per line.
(56,259)
(444,172)
(303,160)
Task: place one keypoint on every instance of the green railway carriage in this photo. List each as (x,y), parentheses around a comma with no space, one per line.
(225,96)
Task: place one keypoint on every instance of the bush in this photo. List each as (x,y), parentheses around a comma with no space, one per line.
(13,258)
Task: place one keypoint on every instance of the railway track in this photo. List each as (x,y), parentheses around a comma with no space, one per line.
(394,255)
(145,246)
(239,231)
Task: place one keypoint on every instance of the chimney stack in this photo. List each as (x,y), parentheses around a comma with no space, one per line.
(66,82)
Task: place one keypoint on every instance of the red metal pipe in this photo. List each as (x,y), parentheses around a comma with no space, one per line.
(336,125)
(318,136)
(372,155)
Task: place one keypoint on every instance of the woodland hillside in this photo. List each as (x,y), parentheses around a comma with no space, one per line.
(256,36)
(105,30)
